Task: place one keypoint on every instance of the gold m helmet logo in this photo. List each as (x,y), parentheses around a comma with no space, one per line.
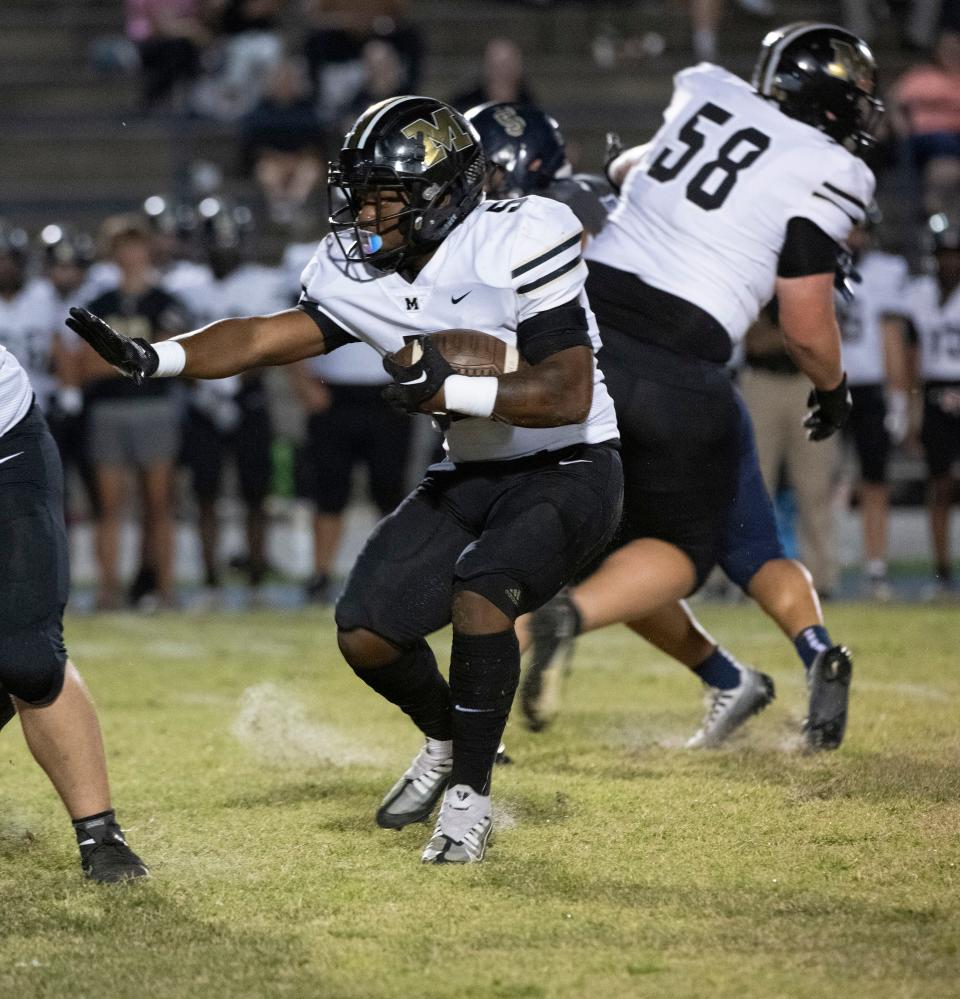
(850,64)
(442,134)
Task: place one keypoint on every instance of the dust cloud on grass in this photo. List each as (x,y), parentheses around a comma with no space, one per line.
(275,727)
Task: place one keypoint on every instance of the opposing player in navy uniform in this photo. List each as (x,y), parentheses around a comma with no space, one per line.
(531,486)
(930,318)
(744,192)
(875,359)
(37,680)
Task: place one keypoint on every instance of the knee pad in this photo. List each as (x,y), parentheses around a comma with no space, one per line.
(33,662)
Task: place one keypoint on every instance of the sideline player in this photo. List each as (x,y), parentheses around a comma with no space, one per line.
(742,194)
(531,487)
(932,319)
(37,680)
(875,358)
(230,415)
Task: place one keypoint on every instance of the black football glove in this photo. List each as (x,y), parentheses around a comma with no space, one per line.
(829,411)
(613,149)
(134,358)
(416,383)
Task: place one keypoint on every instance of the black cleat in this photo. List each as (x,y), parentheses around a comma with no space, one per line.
(829,685)
(553,630)
(111,861)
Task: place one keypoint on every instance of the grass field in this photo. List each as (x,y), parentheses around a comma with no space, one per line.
(247,763)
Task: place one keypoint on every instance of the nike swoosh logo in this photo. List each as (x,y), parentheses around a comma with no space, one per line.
(9,456)
(457,301)
(576,461)
(417,381)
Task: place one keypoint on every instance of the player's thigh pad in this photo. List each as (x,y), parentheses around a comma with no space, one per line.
(748,534)
(331,437)
(401,586)
(940,434)
(252,446)
(203,452)
(544,526)
(870,437)
(34,580)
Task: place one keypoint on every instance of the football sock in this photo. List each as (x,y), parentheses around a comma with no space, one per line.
(811,642)
(484,673)
(720,670)
(417,687)
(96,827)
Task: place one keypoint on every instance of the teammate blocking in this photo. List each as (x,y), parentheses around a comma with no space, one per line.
(530,490)
(743,193)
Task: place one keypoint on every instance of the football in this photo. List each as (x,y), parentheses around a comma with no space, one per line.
(469,352)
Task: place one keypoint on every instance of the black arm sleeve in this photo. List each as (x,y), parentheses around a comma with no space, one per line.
(334,335)
(806,250)
(550,332)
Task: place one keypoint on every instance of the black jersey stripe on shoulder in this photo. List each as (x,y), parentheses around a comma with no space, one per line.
(547,278)
(549,255)
(334,335)
(843,194)
(823,197)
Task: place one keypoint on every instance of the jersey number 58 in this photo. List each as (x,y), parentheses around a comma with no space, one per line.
(712,183)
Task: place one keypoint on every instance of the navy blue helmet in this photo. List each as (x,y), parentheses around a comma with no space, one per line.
(523,147)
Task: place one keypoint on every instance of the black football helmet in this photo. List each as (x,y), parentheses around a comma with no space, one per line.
(824,76)
(225,229)
(424,150)
(523,147)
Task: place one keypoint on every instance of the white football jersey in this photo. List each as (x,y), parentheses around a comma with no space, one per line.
(506,262)
(29,322)
(937,323)
(16,393)
(703,214)
(882,288)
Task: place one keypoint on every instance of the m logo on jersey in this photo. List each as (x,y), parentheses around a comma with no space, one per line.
(413,304)
(441,135)
(511,122)
(850,64)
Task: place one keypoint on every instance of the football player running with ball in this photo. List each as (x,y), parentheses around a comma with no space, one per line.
(744,193)
(531,487)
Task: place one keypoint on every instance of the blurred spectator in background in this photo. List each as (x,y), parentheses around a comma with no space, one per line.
(229,416)
(875,360)
(502,78)
(930,317)
(383,77)
(67,254)
(249,44)
(775,391)
(27,317)
(131,427)
(334,48)
(925,112)
(347,423)
(283,142)
(169,35)
(920,25)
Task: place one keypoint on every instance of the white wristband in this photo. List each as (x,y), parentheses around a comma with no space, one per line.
(470,395)
(171,359)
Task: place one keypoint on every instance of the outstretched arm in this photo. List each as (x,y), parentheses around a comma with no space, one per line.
(226,347)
